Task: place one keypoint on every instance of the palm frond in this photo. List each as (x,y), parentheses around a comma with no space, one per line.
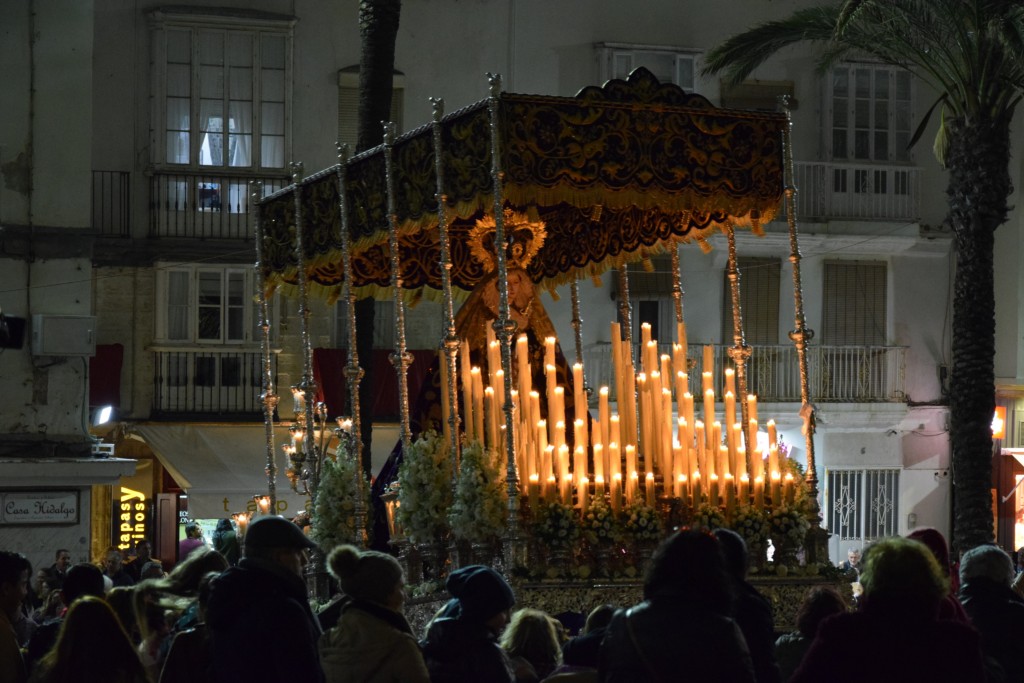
(738,56)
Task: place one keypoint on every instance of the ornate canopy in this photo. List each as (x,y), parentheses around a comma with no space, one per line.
(615,174)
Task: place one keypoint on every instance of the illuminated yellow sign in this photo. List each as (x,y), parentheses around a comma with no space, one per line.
(133,518)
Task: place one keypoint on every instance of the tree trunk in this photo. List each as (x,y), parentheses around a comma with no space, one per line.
(979,184)
(378,28)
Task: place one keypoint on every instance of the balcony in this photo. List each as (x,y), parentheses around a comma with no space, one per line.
(204,206)
(832,190)
(209,382)
(837,374)
(111,203)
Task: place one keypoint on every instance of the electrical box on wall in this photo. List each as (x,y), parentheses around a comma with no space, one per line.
(63,335)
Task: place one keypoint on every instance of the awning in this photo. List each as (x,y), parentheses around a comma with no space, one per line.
(221,467)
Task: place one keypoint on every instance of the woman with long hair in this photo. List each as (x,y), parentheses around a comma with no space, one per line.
(92,648)
(532,645)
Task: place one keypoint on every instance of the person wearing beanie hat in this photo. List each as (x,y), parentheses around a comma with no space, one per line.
(260,623)
(462,641)
(372,641)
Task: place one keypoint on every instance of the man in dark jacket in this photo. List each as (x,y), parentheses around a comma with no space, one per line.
(995,610)
(461,643)
(261,626)
(752,611)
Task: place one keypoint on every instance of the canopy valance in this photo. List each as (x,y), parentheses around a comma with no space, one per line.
(611,176)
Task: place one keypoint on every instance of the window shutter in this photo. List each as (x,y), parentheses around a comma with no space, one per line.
(759,300)
(854,304)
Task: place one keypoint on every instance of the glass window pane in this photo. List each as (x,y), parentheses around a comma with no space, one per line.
(177,113)
(272,118)
(622,64)
(840,112)
(211,48)
(881,114)
(881,146)
(209,288)
(840,82)
(240,85)
(177,147)
(272,85)
(272,151)
(839,150)
(179,46)
(862,144)
(272,51)
(900,151)
(209,323)
(862,82)
(862,114)
(240,151)
(179,80)
(902,85)
(684,72)
(902,116)
(882,84)
(240,49)
(211,82)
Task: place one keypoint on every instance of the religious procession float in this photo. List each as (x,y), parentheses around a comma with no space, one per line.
(507,455)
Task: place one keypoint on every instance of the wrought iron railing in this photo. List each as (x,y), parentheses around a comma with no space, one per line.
(203,206)
(827,190)
(111,203)
(837,374)
(208,381)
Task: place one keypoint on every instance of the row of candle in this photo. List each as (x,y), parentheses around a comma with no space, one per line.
(657,429)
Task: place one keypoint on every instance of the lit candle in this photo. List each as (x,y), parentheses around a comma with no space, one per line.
(709,419)
(630,458)
(534,490)
(681,492)
(759,492)
(466,377)
(264,504)
(709,359)
(614,431)
(773,459)
(649,488)
(633,487)
(730,494)
(547,470)
(776,489)
(599,487)
(681,338)
(583,492)
(551,491)
(696,486)
(567,490)
(478,403)
(744,493)
(790,488)
(523,363)
(549,350)
(579,461)
(614,458)
(713,493)
(616,492)
(773,435)
(598,461)
(730,382)
(492,418)
(603,413)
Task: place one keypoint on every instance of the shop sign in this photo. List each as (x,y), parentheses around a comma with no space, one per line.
(131,518)
(39,507)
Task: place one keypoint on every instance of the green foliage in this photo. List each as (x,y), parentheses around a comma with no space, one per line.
(599,524)
(642,523)
(708,517)
(557,526)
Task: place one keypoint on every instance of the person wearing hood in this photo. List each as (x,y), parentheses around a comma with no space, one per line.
(372,642)
(260,623)
(994,608)
(462,641)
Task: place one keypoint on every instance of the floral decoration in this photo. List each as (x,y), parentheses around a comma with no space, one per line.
(789,525)
(333,517)
(708,517)
(480,505)
(424,491)
(557,526)
(642,523)
(599,524)
(752,524)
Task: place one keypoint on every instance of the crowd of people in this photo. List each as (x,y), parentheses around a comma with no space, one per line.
(243,616)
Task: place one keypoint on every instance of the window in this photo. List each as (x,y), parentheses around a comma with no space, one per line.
(222,88)
(207,305)
(759,301)
(668,64)
(862,505)
(348,104)
(854,304)
(870,115)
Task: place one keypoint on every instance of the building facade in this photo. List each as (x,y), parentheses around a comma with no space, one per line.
(134,131)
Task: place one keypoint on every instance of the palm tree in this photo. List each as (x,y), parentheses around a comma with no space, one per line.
(378,28)
(971,52)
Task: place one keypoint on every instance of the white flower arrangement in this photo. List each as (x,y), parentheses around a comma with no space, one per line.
(642,523)
(557,526)
(752,524)
(708,517)
(599,524)
(789,525)
(424,488)
(480,507)
(333,517)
